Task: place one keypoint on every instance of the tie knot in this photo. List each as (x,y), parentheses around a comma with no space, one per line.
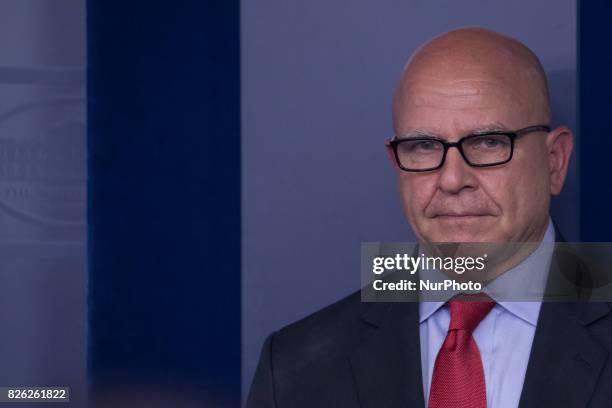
(467,311)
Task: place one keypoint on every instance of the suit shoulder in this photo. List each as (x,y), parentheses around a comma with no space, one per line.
(331,320)
(329,331)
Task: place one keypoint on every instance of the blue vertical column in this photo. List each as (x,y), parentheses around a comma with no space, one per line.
(164,202)
(595,117)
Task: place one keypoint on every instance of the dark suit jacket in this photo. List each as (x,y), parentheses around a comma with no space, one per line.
(367,355)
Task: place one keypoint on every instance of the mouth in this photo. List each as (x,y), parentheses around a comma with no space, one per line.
(460,216)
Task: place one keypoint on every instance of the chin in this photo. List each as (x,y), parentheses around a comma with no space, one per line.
(463,229)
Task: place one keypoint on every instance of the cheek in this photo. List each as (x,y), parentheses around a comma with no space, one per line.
(521,190)
(416,191)
(533,176)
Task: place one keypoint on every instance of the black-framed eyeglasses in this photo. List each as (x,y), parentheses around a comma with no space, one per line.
(427,153)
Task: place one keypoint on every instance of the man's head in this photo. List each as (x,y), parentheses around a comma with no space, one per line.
(471,81)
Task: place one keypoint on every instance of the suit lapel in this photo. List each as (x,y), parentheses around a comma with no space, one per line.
(565,360)
(387,363)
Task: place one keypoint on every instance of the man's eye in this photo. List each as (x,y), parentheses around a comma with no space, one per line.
(489,143)
(425,146)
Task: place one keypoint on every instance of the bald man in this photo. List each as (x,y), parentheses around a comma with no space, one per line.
(476,161)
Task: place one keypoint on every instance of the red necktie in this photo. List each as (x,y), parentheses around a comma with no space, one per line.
(458,377)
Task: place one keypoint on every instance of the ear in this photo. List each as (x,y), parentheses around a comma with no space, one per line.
(390,154)
(560,143)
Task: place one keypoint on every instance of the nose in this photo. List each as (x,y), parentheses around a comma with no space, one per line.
(456,175)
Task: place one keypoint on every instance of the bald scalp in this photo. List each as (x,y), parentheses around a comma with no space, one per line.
(469,55)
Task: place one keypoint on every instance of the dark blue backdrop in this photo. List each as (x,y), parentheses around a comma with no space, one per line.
(595,118)
(164,199)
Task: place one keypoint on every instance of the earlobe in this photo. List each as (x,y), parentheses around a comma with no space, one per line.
(560,146)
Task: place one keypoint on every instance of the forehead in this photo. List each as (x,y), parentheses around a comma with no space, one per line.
(457,105)
(463,93)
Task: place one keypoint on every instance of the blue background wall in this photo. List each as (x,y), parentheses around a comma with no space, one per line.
(317,79)
(43,265)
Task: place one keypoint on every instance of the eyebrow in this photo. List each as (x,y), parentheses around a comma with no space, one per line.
(492,127)
(419,133)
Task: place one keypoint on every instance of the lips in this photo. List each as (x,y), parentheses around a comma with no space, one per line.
(459,209)
(460,214)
